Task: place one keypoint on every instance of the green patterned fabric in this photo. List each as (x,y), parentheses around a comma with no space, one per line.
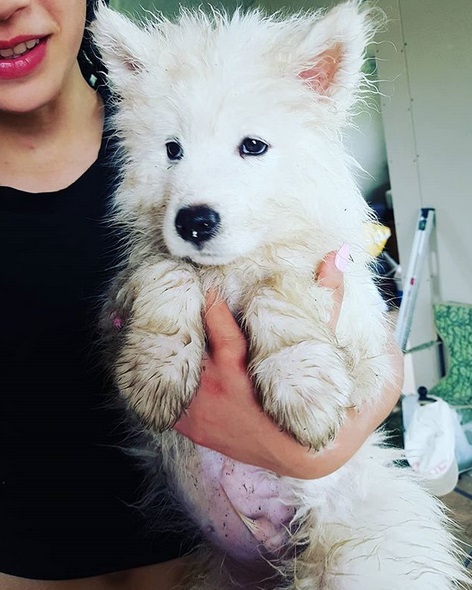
(454,325)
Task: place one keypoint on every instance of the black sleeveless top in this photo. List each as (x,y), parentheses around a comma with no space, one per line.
(67,489)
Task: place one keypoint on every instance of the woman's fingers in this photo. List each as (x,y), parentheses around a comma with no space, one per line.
(331,275)
(225,338)
(226,393)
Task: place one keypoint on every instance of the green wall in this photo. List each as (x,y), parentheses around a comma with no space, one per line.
(170,7)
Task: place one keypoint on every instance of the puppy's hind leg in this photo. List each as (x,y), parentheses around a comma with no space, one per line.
(300,372)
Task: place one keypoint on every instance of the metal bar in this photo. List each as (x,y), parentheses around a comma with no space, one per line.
(413,276)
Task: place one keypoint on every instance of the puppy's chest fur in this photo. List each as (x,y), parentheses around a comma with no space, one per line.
(273,269)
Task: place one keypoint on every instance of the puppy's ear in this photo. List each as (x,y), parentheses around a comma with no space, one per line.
(331,54)
(123,46)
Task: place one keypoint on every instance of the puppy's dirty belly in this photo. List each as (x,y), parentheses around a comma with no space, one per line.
(244,510)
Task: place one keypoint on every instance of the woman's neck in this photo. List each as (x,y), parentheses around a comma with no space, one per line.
(48,149)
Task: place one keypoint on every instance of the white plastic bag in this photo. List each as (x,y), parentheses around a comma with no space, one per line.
(430,440)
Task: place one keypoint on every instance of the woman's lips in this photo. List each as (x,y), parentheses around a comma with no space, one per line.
(21,57)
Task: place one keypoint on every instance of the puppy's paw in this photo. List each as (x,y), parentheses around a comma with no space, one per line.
(158,374)
(306,389)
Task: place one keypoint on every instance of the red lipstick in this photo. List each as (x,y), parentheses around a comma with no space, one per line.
(12,67)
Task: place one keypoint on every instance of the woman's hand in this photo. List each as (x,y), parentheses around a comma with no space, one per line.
(226,416)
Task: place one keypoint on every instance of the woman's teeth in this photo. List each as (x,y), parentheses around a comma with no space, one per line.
(19,49)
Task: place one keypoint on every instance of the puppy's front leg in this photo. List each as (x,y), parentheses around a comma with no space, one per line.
(300,372)
(162,340)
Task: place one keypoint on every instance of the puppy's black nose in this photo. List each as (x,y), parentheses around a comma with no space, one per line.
(197,224)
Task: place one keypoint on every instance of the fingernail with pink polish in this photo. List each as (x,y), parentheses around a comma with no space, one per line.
(342,257)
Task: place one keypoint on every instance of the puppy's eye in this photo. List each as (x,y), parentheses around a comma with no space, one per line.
(174,150)
(252,147)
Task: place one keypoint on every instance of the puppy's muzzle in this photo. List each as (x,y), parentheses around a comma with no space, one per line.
(197,224)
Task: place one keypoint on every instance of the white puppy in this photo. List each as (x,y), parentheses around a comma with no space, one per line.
(235,178)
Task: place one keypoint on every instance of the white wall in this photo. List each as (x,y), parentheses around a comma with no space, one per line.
(425,60)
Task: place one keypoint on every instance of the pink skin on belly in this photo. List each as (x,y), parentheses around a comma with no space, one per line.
(247,511)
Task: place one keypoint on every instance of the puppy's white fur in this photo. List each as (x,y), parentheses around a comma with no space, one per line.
(207,83)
